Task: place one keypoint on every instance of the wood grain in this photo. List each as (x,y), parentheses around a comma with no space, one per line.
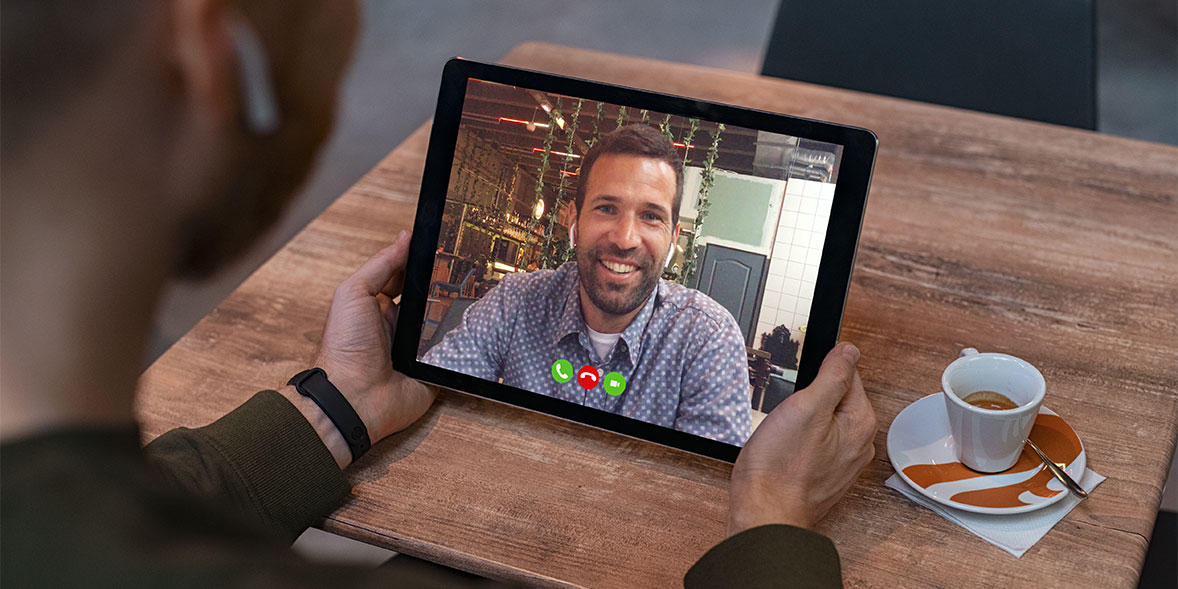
(1053,244)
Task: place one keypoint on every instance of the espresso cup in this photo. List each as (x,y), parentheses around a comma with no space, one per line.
(990,440)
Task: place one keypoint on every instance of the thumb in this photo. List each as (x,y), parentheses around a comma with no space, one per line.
(381,268)
(835,378)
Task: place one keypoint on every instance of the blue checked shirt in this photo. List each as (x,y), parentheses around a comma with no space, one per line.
(683,356)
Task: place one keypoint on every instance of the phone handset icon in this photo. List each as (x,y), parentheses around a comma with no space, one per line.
(587,377)
(562,371)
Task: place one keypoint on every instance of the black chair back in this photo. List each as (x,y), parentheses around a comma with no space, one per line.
(450,320)
(1032,59)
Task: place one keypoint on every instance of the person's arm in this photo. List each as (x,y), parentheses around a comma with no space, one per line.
(714,396)
(802,459)
(768,556)
(278,456)
(263,458)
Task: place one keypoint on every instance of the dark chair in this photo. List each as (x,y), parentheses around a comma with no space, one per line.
(449,321)
(456,288)
(1029,59)
(779,389)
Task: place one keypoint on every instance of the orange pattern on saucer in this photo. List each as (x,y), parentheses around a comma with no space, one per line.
(1050,432)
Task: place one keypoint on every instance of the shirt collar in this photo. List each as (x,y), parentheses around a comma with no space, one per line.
(570,318)
(633,333)
(572,322)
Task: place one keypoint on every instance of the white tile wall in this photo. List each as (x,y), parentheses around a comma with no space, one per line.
(797,250)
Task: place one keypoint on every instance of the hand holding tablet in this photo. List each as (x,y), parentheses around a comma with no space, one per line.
(808,452)
(354,354)
(663,243)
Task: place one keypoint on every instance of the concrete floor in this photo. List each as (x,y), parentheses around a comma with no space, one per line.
(392,86)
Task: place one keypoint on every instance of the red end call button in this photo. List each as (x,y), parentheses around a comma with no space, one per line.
(587,377)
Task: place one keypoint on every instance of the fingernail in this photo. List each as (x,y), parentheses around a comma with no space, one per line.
(850,351)
(401,235)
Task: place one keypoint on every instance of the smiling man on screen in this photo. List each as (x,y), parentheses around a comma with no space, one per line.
(681,353)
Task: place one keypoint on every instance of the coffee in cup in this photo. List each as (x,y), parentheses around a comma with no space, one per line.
(991,401)
(994,401)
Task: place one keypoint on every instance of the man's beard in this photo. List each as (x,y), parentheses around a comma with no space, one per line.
(616,299)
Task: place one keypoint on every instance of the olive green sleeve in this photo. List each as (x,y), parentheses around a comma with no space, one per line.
(263,458)
(768,556)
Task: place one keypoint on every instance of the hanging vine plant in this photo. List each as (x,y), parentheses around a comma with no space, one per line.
(533,222)
(556,251)
(707,179)
(621,116)
(597,124)
(688,137)
(546,242)
(665,127)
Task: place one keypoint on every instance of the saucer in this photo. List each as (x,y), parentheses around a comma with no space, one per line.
(924,454)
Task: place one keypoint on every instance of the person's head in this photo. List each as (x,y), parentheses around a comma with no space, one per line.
(638,140)
(627,216)
(177,99)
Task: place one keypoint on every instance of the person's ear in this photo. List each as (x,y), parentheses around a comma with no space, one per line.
(223,65)
(203,50)
(671,248)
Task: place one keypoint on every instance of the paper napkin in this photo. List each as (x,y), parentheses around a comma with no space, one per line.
(1015,533)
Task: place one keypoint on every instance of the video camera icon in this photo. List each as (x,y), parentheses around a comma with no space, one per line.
(614,384)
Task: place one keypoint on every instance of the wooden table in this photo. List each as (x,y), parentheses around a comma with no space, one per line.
(1053,244)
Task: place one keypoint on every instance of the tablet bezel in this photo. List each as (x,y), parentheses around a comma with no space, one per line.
(834,271)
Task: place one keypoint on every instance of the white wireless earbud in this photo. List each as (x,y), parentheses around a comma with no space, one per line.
(259,106)
(572,236)
(670,255)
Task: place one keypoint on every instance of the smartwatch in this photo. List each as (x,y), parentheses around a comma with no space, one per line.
(313,383)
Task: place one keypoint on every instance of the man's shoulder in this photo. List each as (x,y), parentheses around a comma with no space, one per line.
(531,291)
(540,282)
(680,299)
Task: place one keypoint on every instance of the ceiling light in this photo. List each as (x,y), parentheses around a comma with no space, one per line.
(529,124)
(553,152)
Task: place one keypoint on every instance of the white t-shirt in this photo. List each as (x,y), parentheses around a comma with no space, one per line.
(603,342)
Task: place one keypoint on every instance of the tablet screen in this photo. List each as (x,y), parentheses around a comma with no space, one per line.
(650,265)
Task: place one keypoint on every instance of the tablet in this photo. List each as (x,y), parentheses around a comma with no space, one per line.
(661,267)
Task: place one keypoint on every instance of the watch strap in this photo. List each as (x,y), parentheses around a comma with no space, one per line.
(313,383)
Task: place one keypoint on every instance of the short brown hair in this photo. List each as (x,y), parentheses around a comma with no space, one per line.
(640,140)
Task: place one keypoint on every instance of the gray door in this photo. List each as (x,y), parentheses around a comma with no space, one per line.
(734,278)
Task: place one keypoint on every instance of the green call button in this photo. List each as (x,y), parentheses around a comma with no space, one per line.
(614,384)
(562,371)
